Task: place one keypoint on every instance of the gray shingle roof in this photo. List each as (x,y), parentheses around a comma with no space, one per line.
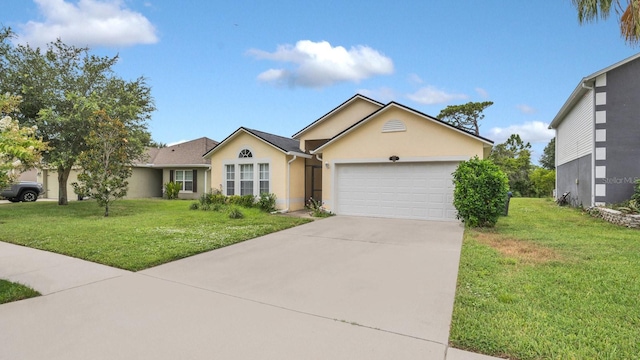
(283,143)
(186,153)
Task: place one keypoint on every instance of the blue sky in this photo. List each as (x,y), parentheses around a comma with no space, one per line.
(277,66)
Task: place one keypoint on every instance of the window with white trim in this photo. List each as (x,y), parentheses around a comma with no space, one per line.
(185,179)
(246,179)
(264,178)
(231,179)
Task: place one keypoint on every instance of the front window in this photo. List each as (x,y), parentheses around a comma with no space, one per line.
(245,153)
(264,178)
(246,179)
(231,179)
(185,179)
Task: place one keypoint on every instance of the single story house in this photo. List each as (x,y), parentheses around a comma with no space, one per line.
(361,158)
(182,163)
(598,136)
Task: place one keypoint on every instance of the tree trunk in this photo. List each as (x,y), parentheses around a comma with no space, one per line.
(63,176)
(106,209)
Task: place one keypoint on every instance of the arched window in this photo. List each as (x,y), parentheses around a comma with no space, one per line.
(245,153)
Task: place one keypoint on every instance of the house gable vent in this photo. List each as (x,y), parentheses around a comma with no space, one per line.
(393,125)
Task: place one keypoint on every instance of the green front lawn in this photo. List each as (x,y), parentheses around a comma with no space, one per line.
(549,283)
(13,292)
(138,234)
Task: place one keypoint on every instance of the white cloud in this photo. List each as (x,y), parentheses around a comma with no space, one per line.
(526,109)
(88,23)
(531,131)
(415,79)
(431,95)
(318,64)
(482,92)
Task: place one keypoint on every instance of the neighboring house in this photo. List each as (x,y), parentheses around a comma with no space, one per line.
(361,158)
(182,163)
(598,136)
(29,175)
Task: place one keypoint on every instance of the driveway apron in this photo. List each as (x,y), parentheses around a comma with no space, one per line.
(338,288)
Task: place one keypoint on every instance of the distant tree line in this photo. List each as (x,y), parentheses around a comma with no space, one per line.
(513,157)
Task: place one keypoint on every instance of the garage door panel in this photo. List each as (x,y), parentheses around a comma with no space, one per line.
(402,190)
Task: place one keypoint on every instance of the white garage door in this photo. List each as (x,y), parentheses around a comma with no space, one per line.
(398,190)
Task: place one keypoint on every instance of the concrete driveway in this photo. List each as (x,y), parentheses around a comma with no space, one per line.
(339,288)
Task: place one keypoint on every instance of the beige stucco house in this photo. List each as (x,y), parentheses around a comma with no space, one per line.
(182,163)
(361,158)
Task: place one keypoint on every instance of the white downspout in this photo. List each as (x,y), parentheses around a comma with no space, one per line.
(318,157)
(289,182)
(205,180)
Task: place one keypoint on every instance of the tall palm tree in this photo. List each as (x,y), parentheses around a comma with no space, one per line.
(627,10)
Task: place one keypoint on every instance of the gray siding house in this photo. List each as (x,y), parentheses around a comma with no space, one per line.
(598,136)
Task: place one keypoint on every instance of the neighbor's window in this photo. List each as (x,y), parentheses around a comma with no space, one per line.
(246,179)
(185,178)
(245,153)
(264,178)
(231,179)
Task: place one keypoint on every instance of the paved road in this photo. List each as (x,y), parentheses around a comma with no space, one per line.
(338,288)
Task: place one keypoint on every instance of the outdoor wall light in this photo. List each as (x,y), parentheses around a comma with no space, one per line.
(326,165)
(394,158)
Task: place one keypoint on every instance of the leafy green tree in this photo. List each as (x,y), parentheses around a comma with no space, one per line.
(543,181)
(466,116)
(513,157)
(62,87)
(19,148)
(106,162)
(480,192)
(628,12)
(548,158)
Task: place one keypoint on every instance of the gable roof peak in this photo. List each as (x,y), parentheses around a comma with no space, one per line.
(349,101)
(287,145)
(583,86)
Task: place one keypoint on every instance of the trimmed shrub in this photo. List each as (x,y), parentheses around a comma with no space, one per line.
(244,200)
(212,198)
(317,209)
(172,189)
(480,192)
(235,213)
(267,202)
(636,192)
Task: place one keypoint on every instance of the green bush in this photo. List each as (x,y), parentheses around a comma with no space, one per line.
(267,202)
(317,209)
(235,213)
(244,200)
(212,198)
(636,192)
(194,206)
(480,192)
(172,189)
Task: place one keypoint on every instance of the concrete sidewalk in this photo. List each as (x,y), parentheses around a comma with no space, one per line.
(48,272)
(339,288)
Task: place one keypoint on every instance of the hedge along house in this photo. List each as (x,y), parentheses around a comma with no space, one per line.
(361,158)
(182,163)
(597,136)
